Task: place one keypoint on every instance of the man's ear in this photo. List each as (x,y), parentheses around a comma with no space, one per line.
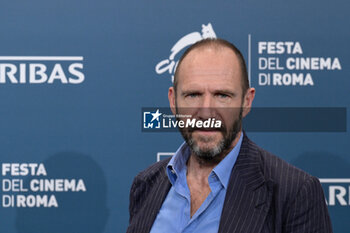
(248,101)
(172,99)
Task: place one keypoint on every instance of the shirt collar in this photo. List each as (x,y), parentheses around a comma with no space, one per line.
(177,165)
(223,169)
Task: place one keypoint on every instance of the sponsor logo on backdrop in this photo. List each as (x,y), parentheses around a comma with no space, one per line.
(169,65)
(41,70)
(164,155)
(283,63)
(280,63)
(36,192)
(337,191)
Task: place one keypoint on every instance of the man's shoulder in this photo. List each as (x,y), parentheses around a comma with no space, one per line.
(281,172)
(274,165)
(153,171)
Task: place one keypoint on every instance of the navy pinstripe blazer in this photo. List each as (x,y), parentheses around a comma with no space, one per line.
(265,194)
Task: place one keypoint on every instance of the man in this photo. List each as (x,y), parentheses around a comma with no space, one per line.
(219,180)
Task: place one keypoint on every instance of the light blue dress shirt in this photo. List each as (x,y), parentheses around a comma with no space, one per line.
(174,215)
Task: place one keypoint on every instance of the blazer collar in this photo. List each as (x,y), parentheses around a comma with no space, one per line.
(248,195)
(153,203)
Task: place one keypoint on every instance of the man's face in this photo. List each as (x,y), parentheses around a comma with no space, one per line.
(209,86)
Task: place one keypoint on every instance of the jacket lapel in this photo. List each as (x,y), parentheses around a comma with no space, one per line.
(248,195)
(155,197)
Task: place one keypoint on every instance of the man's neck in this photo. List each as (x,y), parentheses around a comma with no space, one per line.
(200,169)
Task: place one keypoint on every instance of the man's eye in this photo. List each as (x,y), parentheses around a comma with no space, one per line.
(193,95)
(221,95)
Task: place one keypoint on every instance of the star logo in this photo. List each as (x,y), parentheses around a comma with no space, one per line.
(156,115)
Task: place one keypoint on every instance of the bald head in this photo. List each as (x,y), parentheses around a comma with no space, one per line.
(217,46)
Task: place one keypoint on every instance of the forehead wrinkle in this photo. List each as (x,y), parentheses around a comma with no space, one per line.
(195,57)
(194,70)
(209,72)
(209,63)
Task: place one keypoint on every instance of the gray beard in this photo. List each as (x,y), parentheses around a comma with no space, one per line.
(215,154)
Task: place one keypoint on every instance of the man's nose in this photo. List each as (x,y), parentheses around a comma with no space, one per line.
(206,110)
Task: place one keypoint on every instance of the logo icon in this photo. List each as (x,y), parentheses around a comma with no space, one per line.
(164,155)
(170,64)
(41,69)
(337,191)
(151,120)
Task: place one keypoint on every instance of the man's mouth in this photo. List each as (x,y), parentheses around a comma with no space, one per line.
(206,132)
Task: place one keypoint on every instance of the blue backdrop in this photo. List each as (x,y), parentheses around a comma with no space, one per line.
(75,75)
